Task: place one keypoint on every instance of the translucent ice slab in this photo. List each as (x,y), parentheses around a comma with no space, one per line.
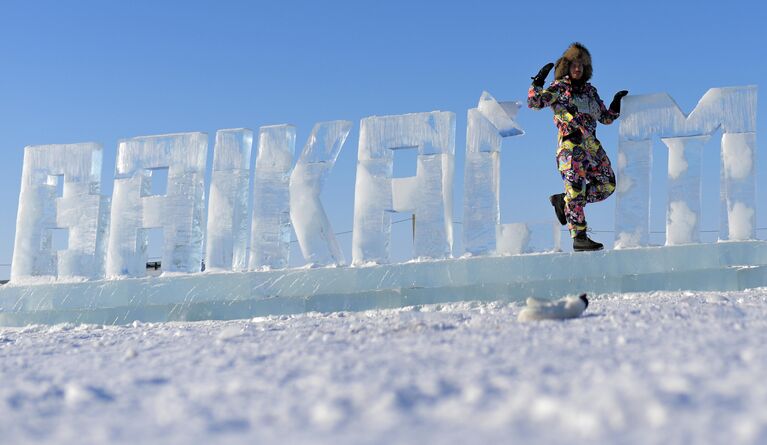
(81,211)
(270,231)
(732,109)
(313,229)
(228,228)
(430,197)
(486,126)
(179,213)
(718,266)
(684,189)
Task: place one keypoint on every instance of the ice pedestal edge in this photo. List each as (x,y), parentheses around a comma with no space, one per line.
(229,295)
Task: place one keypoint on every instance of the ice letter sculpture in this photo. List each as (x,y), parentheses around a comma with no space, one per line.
(734,110)
(270,233)
(684,188)
(428,194)
(80,210)
(486,125)
(313,230)
(179,213)
(227,232)
(738,220)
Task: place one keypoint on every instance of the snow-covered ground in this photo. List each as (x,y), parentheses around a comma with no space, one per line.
(669,367)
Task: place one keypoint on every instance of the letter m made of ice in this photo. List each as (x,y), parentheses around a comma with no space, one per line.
(179,213)
(60,192)
(732,109)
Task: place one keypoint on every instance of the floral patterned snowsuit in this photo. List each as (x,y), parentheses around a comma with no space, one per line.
(581,160)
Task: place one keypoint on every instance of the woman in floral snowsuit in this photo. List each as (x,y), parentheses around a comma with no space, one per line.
(581,160)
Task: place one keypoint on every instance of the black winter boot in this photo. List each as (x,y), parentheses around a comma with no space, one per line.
(558,201)
(582,243)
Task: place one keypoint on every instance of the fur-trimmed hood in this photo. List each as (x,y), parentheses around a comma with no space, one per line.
(574,52)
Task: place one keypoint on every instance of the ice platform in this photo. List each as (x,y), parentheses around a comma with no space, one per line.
(723,266)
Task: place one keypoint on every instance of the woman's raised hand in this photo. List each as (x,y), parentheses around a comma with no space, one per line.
(540,78)
(615,105)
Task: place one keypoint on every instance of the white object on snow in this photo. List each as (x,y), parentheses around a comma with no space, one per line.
(567,307)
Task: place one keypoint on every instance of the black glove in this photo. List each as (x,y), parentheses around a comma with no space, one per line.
(615,105)
(540,78)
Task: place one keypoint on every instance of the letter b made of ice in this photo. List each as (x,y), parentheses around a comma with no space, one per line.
(428,195)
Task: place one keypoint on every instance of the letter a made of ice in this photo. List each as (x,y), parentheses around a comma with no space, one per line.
(80,210)
(227,233)
(428,195)
(270,232)
(313,230)
(179,213)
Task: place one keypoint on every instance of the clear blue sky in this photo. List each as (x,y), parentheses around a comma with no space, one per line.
(101,71)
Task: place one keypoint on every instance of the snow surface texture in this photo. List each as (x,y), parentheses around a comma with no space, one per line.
(648,368)
(732,109)
(428,195)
